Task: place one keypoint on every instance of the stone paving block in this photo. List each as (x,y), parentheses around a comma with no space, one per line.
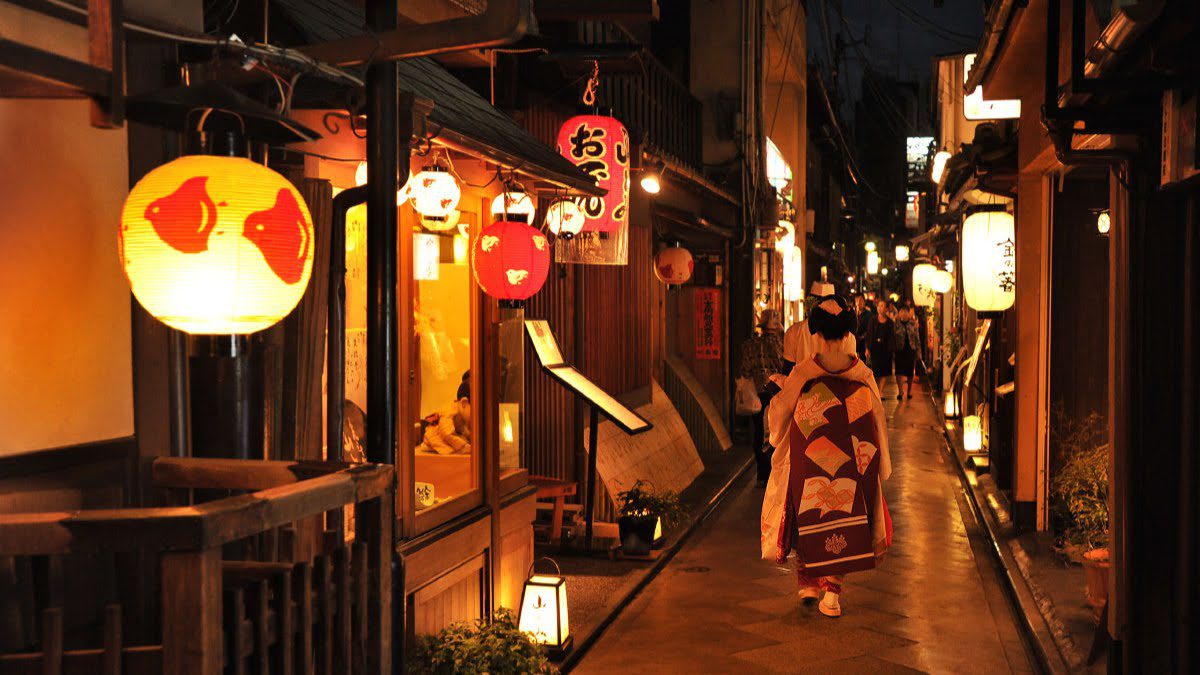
(821,648)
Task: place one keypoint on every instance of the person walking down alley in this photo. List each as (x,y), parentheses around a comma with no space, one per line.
(824,503)
(863,318)
(908,345)
(761,361)
(881,342)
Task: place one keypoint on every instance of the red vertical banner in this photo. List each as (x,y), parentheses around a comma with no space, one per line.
(708,323)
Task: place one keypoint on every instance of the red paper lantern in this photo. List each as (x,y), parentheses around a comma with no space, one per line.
(599,145)
(510,260)
(674,265)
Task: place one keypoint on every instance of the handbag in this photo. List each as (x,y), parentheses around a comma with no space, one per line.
(745,399)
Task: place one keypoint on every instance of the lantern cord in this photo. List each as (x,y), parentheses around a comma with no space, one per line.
(589,92)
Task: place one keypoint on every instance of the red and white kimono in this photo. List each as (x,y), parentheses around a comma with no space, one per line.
(824,501)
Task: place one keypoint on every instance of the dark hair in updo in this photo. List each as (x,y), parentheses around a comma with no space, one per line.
(832,327)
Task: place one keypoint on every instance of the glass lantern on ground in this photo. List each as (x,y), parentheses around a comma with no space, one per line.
(543,612)
(216,245)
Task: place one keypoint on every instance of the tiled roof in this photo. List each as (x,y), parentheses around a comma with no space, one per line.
(457,107)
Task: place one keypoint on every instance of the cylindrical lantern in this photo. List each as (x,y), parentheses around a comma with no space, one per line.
(989,261)
(872,262)
(941,281)
(434,193)
(514,206)
(673,265)
(901,253)
(972,434)
(216,245)
(951,405)
(785,236)
(922,280)
(564,218)
(599,146)
(510,260)
(870,247)
(939,166)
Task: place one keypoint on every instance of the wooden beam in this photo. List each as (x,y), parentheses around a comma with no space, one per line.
(106,51)
(584,10)
(191,612)
(47,73)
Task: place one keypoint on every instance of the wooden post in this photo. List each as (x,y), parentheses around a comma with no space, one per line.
(593,451)
(191,612)
(375,522)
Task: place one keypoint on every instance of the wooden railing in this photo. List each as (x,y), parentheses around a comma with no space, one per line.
(654,103)
(225,604)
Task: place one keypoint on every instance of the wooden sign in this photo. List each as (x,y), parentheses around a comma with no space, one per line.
(708,323)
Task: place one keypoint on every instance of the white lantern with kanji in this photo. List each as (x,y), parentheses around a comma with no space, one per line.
(922,280)
(989,261)
(543,614)
(972,433)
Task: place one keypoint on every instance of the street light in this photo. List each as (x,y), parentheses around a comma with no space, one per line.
(1104,223)
(651,180)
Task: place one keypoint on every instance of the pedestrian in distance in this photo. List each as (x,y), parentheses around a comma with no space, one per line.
(863,316)
(824,503)
(908,343)
(762,358)
(881,342)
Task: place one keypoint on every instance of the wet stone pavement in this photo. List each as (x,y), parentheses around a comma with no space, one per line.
(933,605)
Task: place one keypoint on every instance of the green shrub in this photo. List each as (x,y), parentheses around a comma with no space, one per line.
(494,647)
(640,500)
(1081,486)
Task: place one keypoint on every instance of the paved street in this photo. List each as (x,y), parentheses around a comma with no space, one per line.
(932,606)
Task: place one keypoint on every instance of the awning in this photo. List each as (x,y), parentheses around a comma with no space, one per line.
(461,119)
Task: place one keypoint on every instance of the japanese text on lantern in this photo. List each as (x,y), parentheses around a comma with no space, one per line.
(599,146)
(708,323)
(1006,275)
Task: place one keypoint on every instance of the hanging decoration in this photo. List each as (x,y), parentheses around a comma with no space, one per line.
(216,245)
(872,262)
(785,236)
(513,205)
(1103,223)
(901,253)
(434,194)
(941,281)
(510,260)
(599,146)
(922,285)
(673,265)
(989,255)
(564,218)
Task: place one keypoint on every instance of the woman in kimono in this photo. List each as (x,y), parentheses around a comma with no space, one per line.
(824,501)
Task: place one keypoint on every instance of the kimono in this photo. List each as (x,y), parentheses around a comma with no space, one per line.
(824,500)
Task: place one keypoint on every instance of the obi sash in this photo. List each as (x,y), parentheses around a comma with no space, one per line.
(834,478)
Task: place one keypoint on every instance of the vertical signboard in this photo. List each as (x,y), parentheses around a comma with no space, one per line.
(708,323)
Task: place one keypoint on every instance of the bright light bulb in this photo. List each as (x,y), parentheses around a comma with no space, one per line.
(1104,222)
(869,246)
(884,271)
(651,182)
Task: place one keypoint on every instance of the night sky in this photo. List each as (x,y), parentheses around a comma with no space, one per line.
(904,36)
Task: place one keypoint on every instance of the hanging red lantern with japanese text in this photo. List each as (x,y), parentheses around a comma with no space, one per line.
(599,146)
(510,260)
(673,265)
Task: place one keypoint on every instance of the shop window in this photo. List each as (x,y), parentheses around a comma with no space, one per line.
(446,445)
(511,364)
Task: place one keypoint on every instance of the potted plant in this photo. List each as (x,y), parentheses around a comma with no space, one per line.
(641,507)
(1081,488)
(495,646)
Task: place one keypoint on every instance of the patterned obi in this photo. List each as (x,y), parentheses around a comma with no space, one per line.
(834,479)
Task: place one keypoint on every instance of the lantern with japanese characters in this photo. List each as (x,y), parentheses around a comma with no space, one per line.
(510,260)
(673,265)
(922,281)
(989,261)
(543,615)
(599,146)
(216,245)
(972,434)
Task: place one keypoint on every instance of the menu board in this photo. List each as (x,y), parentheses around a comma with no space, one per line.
(551,358)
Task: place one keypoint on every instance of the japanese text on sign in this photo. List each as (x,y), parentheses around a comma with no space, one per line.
(708,323)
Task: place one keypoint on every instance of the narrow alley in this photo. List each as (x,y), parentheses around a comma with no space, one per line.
(934,605)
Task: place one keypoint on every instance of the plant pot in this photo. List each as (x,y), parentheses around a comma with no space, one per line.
(637,534)
(1095,566)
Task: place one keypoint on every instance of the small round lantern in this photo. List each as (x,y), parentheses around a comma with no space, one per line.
(564,218)
(901,253)
(216,245)
(1104,223)
(510,260)
(599,146)
(513,206)
(434,193)
(941,281)
(673,265)
(922,285)
(870,247)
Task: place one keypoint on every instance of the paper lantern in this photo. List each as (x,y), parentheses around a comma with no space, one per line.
(941,281)
(922,280)
(951,405)
(939,166)
(785,236)
(989,261)
(972,434)
(543,612)
(1103,223)
(901,253)
(513,206)
(564,218)
(599,146)
(434,193)
(510,260)
(872,262)
(673,265)
(216,245)
(870,247)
